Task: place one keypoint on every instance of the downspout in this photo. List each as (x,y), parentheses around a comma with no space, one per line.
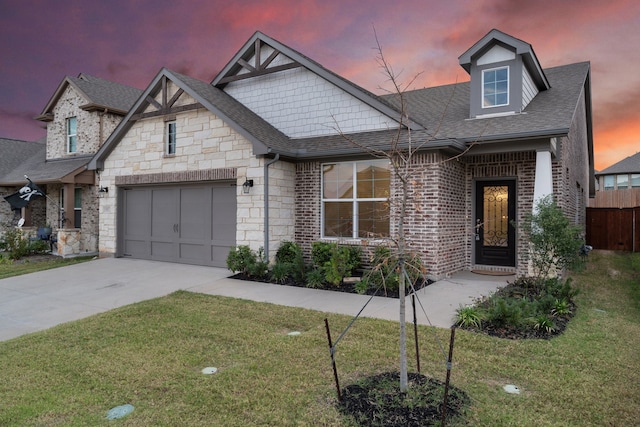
(266,204)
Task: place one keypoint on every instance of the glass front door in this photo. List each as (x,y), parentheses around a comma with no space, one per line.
(495,213)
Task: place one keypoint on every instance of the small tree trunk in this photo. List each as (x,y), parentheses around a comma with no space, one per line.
(404,380)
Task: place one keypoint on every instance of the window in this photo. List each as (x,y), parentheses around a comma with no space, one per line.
(622,181)
(495,87)
(355,199)
(72,145)
(608,182)
(77,207)
(635,180)
(171,138)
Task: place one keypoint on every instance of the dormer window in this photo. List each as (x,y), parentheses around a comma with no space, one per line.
(72,145)
(495,87)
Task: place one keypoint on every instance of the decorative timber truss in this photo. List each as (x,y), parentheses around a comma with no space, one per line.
(259,67)
(166,108)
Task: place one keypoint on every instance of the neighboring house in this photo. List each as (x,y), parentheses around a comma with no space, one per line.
(618,186)
(80,115)
(259,156)
(14,153)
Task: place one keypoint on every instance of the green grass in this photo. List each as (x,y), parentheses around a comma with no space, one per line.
(150,355)
(9,268)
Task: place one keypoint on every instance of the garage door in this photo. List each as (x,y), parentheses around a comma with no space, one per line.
(193,224)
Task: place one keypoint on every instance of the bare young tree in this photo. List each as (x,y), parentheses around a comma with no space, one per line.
(400,152)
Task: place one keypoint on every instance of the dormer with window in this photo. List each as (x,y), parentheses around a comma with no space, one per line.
(505,75)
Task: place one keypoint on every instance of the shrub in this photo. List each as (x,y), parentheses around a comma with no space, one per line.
(337,262)
(544,323)
(17,245)
(289,262)
(280,271)
(315,278)
(555,242)
(468,317)
(242,259)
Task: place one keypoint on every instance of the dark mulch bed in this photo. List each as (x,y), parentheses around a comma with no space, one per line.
(348,287)
(377,401)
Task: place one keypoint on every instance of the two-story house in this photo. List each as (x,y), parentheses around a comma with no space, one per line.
(80,115)
(278,148)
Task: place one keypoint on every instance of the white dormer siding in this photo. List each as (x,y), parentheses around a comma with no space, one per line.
(529,89)
(301,104)
(496,54)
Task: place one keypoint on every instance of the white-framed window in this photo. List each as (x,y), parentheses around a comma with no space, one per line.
(622,181)
(635,180)
(170,138)
(355,199)
(72,137)
(495,87)
(609,182)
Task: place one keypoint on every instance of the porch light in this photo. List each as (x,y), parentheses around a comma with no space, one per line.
(248,183)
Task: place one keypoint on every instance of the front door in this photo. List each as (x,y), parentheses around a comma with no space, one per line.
(495,239)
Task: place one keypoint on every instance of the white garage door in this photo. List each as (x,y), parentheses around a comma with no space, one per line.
(191,224)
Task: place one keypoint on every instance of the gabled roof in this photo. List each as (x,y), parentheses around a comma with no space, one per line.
(442,112)
(241,119)
(100,94)
(248,51)
(522,48)
(629,165)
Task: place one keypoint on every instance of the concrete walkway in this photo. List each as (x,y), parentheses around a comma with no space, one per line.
(38,301)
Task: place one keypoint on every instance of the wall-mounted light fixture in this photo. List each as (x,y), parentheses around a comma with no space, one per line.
(103,190)
(248,183)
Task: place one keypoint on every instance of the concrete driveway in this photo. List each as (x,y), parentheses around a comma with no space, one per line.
(38,301)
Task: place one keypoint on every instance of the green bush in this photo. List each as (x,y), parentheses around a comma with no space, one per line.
(468,317)
(18,245)
(337,262)
(242,259)
(315,278)
(555,243)
(289,262)
(321,253)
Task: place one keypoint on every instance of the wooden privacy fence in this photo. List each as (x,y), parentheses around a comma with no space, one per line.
(614,229)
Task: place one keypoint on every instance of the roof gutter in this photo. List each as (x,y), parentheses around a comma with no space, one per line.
(266,204)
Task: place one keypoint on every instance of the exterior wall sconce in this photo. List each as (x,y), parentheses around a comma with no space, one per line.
(103,190)
(248,183)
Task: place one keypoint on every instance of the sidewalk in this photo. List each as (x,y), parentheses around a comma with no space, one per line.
(41,300)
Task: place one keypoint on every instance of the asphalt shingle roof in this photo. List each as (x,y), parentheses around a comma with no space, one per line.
(629,165)
(14,152)
(107,93)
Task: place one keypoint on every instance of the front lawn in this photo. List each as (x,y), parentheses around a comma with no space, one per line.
(31,264)
(151,355)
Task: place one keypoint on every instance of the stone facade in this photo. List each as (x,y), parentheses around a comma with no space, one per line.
(204,142)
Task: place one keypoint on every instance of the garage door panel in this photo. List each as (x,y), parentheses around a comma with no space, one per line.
(189,224)
(195,211)
(163,214)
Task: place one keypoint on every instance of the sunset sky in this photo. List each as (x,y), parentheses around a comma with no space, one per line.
(129,41)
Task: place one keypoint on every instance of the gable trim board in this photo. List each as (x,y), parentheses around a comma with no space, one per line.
(241,143)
